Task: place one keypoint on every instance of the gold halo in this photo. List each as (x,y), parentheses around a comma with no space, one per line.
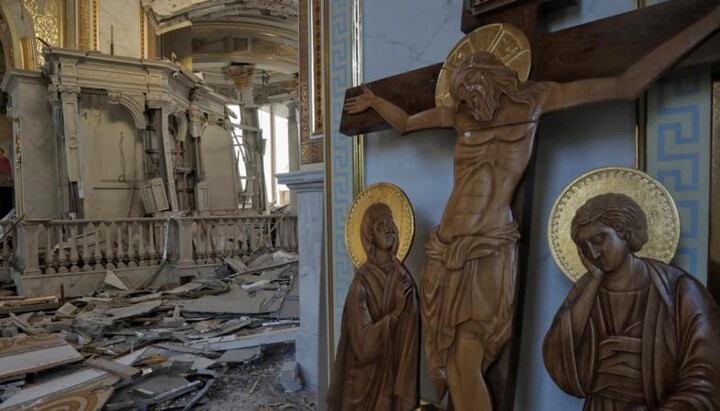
(402,214)
(506,42)
(662,215)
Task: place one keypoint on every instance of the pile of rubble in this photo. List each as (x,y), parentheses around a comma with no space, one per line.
(161,348)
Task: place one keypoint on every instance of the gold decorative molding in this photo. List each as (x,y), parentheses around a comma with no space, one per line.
(310,150)
(151,49)
(357,69)
(714,235)
(241,75)
(95,33)
(143,40)
(271,47)
(28,55)
(84,23)
(317,67)
(641,119)
(48,24)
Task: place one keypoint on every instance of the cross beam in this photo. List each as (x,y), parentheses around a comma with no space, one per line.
(598,49)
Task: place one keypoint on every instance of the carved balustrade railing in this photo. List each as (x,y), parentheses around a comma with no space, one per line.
(62,246)
(205,240)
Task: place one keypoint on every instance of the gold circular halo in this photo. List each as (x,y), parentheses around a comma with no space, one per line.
(402,214)
(506,42)
(662,215)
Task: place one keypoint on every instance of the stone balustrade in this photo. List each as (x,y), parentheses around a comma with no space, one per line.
(71,246)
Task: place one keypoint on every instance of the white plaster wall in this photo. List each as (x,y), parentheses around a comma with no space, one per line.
(39,184)
(124,17)
(403,35)
(113,159)
(219,164)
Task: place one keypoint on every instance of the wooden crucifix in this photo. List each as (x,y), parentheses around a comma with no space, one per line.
(468,281)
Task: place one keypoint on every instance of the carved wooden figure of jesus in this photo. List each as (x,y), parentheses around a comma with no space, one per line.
(468,280)
(634,333)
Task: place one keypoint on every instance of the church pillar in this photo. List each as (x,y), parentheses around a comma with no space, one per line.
(253,143)
(293,147)
(311,344)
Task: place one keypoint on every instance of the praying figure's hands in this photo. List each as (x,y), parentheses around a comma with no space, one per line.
(358,104)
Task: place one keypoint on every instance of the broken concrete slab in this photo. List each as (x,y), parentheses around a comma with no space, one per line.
(236,301)
(241,355)
(253,340)
(68,310)
(26,354)
(114,281)
(121,370)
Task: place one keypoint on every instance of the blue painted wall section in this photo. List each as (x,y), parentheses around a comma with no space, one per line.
(678,155)
(341,166)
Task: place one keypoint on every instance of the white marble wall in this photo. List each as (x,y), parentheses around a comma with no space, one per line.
(36,184)
(311,343)
(219,163)
(112,159)
(124,17)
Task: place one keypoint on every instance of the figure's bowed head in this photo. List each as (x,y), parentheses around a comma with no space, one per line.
(608,229)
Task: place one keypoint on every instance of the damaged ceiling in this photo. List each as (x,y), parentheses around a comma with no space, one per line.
(224,33)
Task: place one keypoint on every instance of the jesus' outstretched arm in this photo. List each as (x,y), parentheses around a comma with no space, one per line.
(399,119)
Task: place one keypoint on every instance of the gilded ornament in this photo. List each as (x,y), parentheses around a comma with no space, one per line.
(662,215)
(402,213)
(506,42)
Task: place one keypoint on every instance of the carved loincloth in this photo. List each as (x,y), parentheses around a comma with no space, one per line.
(469,280)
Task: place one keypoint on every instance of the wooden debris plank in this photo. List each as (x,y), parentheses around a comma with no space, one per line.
(26,354)
(90,387)
(120,370)
(85,390)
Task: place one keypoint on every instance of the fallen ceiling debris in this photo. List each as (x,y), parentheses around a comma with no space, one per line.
(128,349)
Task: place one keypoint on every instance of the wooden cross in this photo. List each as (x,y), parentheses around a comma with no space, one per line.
(598,49)
(603,48)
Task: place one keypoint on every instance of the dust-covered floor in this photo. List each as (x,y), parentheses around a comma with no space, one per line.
(257,386)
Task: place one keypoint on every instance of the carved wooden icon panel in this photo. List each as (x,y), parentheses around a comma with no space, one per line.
(633,333)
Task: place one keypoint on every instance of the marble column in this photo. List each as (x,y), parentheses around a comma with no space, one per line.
(293,148)
(311,344)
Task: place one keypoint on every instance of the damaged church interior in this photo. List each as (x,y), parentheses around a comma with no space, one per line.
(359,205)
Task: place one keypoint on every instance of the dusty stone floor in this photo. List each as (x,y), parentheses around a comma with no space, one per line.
(256,387)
